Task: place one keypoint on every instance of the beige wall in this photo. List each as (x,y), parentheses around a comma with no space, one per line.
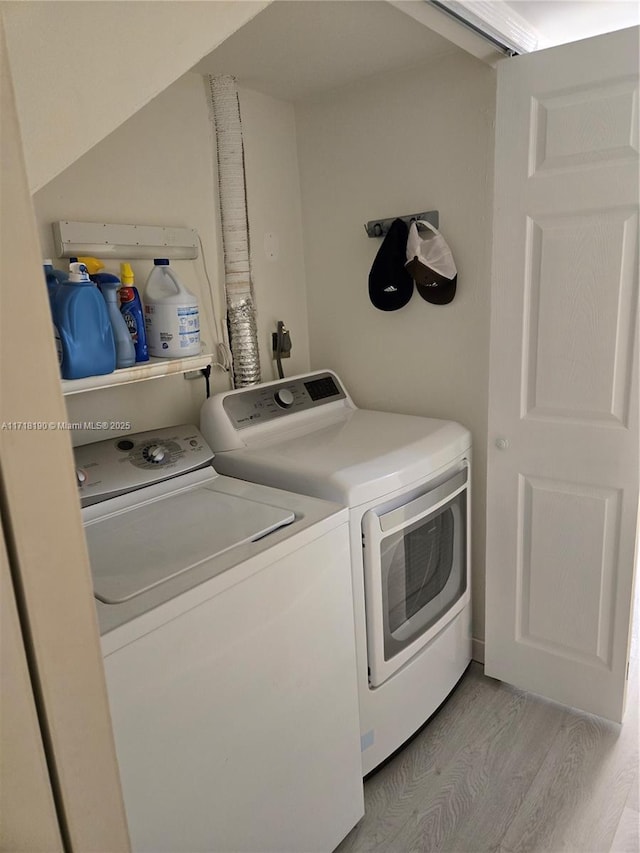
(159,168)
(273,196)
(415,140)
(81,69)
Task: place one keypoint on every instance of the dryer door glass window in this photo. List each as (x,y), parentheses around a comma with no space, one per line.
(423,573)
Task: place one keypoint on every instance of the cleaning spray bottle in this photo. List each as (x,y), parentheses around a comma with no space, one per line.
(93,265)
(125,350)
(171,314)
(131,310)
(84,337)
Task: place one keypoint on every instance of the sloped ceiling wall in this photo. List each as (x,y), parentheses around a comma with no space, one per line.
(80,69)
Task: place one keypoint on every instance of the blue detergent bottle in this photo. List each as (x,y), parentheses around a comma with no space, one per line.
(84,337)
(54,278)
(125,350)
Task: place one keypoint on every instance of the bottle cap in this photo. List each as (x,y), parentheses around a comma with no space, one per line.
(126,273)
(79,273)
(47,262)
(161,262)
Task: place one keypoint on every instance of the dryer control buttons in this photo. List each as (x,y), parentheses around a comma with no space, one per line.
(248,407)
(284,398)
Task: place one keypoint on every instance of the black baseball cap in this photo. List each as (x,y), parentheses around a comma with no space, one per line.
(390,285)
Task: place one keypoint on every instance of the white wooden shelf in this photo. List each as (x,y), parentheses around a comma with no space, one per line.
(152,369)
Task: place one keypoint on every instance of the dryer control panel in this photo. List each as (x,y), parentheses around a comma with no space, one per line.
(264,403)
(118,465)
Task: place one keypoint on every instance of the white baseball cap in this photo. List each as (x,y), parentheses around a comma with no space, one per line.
(430,264)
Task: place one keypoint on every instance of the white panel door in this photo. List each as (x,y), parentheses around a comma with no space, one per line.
(563,408)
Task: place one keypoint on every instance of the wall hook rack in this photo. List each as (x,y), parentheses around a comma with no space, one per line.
(379,227)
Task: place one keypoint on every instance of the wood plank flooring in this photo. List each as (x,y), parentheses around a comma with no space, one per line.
(499,770)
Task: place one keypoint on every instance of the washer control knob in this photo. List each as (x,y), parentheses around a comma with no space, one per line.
(81,477)
(502,443)
(155,453)
(284,398)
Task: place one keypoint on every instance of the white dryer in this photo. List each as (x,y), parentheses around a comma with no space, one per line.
(227,632)
(406,481)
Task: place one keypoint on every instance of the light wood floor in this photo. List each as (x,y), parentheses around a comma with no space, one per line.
(501,770)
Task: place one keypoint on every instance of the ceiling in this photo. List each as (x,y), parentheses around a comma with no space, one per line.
(295,49)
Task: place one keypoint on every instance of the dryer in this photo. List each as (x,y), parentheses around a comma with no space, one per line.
(406,481)
(227,633)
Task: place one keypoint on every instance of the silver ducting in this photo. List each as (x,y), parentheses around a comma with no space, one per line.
(241,312)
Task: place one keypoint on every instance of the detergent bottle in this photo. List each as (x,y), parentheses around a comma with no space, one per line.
(172,318)
(84,337)
(54,278)
(131,310)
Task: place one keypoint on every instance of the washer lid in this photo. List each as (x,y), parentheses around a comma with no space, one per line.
(361,456)
(132,551)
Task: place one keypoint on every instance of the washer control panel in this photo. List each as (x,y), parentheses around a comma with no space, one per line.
(109,468)
(261,404)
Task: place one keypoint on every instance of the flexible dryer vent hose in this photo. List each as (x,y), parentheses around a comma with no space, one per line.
(241,312)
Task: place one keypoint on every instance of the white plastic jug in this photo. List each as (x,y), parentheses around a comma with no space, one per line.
(171,314)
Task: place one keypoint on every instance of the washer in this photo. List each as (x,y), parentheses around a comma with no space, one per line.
(406,482)
(225,611)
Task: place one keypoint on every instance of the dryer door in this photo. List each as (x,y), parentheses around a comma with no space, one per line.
(416,572)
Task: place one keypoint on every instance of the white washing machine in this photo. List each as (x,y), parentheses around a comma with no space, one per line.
(406,482)
(225,611)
